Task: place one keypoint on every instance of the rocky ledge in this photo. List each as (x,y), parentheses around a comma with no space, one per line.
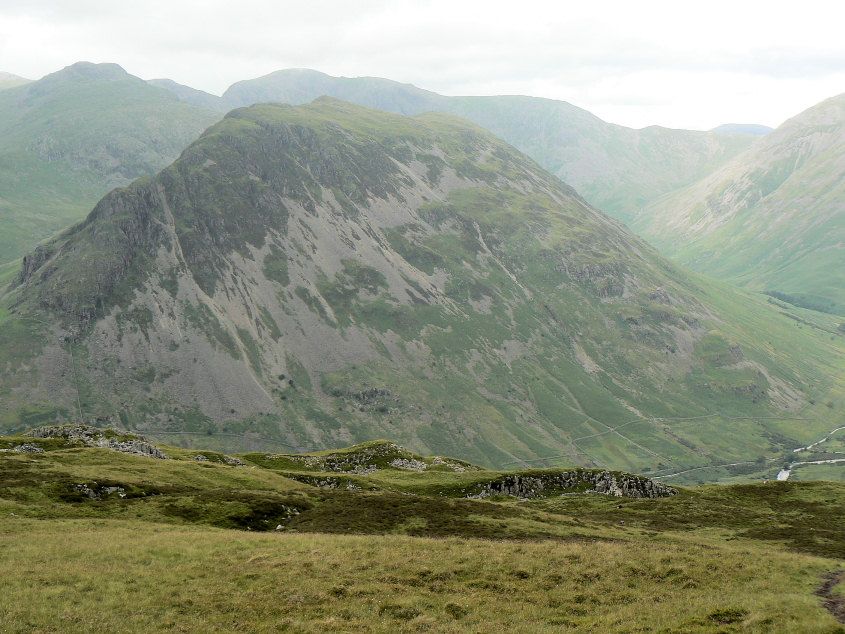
(578,481)
(124,442)
(371,457)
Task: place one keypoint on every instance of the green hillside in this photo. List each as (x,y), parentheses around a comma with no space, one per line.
(375,538)
(70,137)
(771,219)
(327,274)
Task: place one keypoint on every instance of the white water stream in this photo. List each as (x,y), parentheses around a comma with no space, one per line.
(784,474)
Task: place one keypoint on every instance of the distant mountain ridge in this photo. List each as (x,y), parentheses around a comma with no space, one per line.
(122,132)
(615,168)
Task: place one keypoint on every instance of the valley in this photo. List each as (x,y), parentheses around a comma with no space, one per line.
(324,274)
(771,218)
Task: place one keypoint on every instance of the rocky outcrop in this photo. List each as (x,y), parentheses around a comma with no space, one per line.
(577,481)
(94,491)
(229,460)
(25,447)
(124,442)
(371,457)
(408,465)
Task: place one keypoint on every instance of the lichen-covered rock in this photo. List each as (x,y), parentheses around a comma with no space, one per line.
(28,448)
(408,465)
(580,480)
(94,491)
(124,442)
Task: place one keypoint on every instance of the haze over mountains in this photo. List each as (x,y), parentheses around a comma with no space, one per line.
(53,174)
(772,218)
(615,168)
(328,273)
(743,128)
(8,80)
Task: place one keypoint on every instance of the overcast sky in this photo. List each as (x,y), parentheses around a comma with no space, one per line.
(633,62)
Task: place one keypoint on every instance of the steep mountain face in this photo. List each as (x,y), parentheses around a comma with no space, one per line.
(615,168)
(326,274)
(70,137)
(773,218)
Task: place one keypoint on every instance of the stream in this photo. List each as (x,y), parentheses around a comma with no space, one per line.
(784,474)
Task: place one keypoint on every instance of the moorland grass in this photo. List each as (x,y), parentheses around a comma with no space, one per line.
(203,546)
(86,575)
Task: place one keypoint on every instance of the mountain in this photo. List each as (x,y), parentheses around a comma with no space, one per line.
(743,128)
(326,274)
(67,139)
(773,218)
(8,80)
(615,168)
(300,85)
(190,95)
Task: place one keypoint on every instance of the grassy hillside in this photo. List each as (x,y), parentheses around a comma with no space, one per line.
(326,274)
(96,538)
(771,219)
(70,137)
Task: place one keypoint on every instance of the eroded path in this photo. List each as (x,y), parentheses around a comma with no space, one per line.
(833,602)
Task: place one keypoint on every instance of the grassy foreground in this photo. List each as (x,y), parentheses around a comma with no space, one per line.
(393,550)
(86,575)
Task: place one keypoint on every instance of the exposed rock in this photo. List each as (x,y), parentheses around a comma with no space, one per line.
(28,448)
(369,458)
(437,460)
(408,465)
(326,482)
(200,458)
(124,442)
(229,460)
(605,482)
(94,491)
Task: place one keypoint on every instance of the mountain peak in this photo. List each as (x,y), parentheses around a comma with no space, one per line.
(87,71)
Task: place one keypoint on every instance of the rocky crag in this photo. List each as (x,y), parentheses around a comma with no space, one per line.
(124,442)
(545,484)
